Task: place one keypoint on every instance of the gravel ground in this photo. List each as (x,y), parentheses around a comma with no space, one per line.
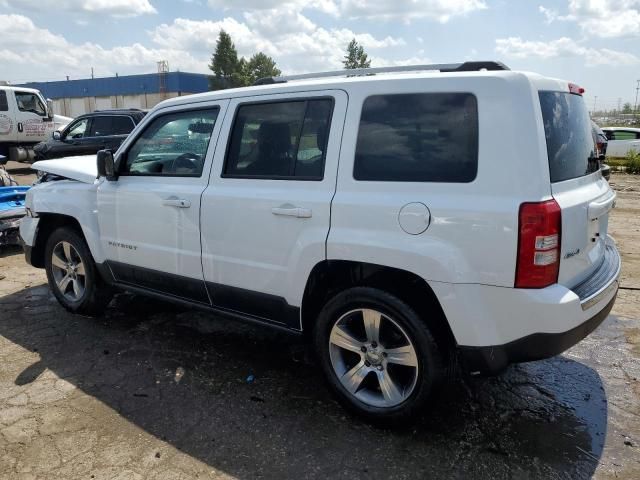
(155,391)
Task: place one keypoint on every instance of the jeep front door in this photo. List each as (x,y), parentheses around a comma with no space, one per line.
(266,212)
(150,217)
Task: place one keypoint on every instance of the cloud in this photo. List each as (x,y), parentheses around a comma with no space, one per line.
(440,10)
(115,8)
(404,10)
(296,43)
(327,6)
(600,18)
(515,47)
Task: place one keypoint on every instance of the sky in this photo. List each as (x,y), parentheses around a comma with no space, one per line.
(593,43)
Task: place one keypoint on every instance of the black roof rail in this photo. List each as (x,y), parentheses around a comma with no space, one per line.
(110,110)
(442,67)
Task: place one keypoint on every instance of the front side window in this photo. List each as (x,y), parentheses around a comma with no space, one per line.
(173,144)
(30,102)
(421,137)
(78,129)
(4,105)
(280,140)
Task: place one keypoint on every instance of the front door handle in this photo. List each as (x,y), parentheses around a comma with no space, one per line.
(176,202)
(291,211)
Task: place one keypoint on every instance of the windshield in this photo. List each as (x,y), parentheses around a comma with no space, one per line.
(570,143)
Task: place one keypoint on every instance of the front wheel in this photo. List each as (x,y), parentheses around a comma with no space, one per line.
(377,354)
(72,274)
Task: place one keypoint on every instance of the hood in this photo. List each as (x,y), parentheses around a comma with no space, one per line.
(83,169)
(59,122)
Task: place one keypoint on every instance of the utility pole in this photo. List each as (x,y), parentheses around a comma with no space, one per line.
(635,105)
(91,73)
(619,103)
(594,104)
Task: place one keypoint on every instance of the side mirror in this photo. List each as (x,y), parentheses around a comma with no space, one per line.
(56,135)
(49,109)
(106,165)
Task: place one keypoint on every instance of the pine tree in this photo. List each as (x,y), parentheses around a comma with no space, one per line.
(224,64)
(356,57)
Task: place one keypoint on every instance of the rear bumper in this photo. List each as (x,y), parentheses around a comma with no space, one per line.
(496,326)
(494,359)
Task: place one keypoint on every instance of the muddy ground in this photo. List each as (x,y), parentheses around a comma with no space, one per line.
(155,391)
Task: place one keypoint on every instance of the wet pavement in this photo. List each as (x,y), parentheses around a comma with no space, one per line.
(155,391)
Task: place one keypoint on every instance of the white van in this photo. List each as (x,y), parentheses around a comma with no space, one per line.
(370,210)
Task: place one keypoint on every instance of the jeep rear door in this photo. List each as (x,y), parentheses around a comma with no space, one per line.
(577,185)
(150,217)
(266,212)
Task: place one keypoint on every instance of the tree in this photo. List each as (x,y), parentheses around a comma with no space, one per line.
(229,71)
(355,57)
(261,66)
(224,64)
(627,108)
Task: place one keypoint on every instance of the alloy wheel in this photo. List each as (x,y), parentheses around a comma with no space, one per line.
(373,358)
(68,271)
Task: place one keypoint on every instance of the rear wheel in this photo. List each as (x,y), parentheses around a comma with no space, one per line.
(72,274)
(377,354)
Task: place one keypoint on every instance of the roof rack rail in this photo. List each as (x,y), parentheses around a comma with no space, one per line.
(442,67)
(124,109)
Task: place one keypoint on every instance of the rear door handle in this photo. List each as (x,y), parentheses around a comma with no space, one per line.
(176,202)
(291,211)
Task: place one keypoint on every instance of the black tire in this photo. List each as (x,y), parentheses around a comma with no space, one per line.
(430,370)
(97,294)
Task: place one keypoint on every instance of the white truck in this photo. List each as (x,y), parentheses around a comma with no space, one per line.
(26,119)
(372,213)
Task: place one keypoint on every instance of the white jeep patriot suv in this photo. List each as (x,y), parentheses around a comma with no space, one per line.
(373,211)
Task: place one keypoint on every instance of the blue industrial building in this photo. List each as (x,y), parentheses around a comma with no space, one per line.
(178,82)
(75,97)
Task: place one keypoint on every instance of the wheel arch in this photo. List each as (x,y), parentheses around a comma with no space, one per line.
(48,223)
(330,277)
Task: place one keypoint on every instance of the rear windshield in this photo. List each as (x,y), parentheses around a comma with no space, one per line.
(567,128)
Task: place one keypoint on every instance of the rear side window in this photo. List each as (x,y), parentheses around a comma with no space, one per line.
(422,137)
(122,125)
(570,144)
(101,127)
(4,105)
(280,140)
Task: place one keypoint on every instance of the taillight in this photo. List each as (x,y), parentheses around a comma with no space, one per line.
(575,89)
(538,244)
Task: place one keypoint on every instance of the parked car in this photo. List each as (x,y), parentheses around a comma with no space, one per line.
(601,144)
(621,140)
(102,129)
(368,210)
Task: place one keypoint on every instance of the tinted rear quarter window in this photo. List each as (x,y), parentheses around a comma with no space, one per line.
(422,137)
(570,141)
(122,125)
(4,105)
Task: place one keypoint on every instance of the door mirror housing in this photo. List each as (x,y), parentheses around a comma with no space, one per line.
(49,109)
(106,165)
(56,135)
